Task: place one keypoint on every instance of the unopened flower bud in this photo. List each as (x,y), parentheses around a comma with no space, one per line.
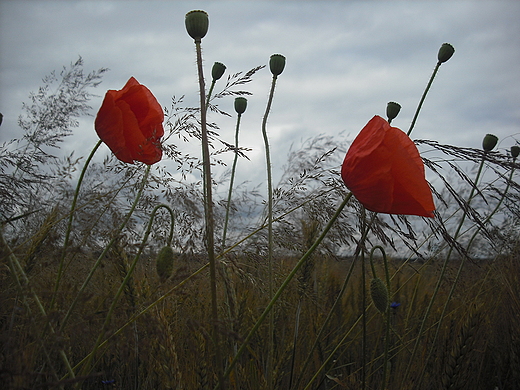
(164,263)
(392,110)
(197,23)
(240,105)
(379,294)
(489,142)
(277,64)
(218,70)
(445,52)
(515,151)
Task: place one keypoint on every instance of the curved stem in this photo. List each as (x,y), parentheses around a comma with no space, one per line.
(233,169)
(269,369)
(69,225)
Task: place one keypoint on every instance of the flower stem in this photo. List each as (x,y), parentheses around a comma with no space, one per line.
(208,211)
(423,97)
(269,368)
(69,225)
(233,169)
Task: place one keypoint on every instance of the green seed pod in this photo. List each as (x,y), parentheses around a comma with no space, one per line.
(515,151)
(379,294)
(240,105)
(489,142)
(197,23)
(277,64)
(445,52)
(164,263)
(218,70)
(392,110)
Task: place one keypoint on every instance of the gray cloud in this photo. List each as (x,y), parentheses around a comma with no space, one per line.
(345,61)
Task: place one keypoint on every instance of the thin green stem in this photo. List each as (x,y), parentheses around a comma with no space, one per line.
(69,225)
(208,212)
(107,248)
(269,368)
(423,97)
(285,283)
(231,181)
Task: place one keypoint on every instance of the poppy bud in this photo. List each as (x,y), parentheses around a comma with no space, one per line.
(218,70)
(392,110)
(277,64)
(379,294)
(445,52)
(515,151)
(197,23)
(164,263)
(240,105)
(489,142)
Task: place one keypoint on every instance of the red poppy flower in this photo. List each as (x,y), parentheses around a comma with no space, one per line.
(384,171)
(130,122)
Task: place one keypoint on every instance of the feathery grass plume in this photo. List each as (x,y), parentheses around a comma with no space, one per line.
(164,263)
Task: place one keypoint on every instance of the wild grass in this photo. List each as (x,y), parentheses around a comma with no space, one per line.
(454,279)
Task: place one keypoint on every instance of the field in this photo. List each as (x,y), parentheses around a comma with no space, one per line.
(119,275)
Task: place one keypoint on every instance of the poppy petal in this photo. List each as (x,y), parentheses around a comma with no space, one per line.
(384,171)
(130,123)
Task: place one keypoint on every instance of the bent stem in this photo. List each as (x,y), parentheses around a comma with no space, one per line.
(269,233)
(233,169)
(107,248)
(285,283)
(208,208)
(69,225)
(86,367)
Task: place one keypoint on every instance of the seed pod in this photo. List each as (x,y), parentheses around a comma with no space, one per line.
(445,52)
(277,64)
(489,142)
(515,151)
(379,294)
(164,263)
(240,105)
(197,23)
(392,110)
(218,70)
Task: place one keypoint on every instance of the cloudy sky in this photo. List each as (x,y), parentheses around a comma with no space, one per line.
(345,61)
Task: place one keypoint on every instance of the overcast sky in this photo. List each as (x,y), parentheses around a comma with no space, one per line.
(345,61)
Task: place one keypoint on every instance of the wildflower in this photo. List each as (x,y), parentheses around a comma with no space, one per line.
(130,123)
(384,171)
(395,305)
